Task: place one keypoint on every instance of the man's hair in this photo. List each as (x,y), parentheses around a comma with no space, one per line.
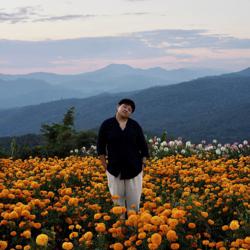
(128,102)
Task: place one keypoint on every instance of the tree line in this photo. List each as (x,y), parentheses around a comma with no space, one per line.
(56,139)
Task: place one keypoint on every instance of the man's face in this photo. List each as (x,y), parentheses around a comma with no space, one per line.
(124,110)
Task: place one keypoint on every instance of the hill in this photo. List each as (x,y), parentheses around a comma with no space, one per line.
(205,108)
(39,87)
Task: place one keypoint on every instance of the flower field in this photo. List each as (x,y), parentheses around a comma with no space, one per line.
(187,203)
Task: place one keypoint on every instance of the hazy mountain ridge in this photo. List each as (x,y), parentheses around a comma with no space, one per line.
(41,87)
(205,108)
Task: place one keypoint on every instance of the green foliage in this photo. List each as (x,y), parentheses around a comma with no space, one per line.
(60,137)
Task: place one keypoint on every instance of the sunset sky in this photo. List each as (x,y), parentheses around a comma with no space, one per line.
(78,36)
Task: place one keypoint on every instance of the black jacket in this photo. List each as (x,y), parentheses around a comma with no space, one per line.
(124,148)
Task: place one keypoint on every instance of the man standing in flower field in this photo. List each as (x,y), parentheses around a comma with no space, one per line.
(121,139)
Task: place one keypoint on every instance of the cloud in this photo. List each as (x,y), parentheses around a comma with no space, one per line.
(166,48)
(23,14)
(33,14)
(63,18)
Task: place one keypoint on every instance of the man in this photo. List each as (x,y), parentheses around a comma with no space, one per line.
(121,139)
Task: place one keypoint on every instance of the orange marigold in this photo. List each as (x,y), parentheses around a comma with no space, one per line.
(156,239)
(117,246)
(171,235)
(3,244)
(174,246)
(100,227)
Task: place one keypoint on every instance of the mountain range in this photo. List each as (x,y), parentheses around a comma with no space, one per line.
(204,108)
(36,88)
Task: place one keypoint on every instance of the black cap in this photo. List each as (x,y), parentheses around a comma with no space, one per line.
(128,102)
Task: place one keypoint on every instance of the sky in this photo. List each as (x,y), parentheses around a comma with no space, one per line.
(69,37)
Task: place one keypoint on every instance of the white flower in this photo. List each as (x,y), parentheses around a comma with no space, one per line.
(171,143)
(83,149)
(158,139)
(76,151)
(217,151)
(219,145)
(199,146)
(71,151)
(166,149)
(93,147)
(240,146)
(214,141)
(183,151)
(245,142)
(150,141)
(223,149)
(179,143)
(164,143)
(188,144)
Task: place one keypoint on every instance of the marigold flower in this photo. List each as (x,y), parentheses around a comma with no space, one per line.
(171,235)
(234,225)
(117,210)
(142,235)
(175,246)
(67,245)
(3,244)
(97,216)
(88,236)
(156,238)
(191,225)
(42,239)
(26,234)
(100,227)
(156,220)
(117,246)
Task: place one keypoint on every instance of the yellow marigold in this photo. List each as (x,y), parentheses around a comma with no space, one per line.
(42,240)
(117,246)
(234,225)
(191,225)
(73,235)
(67,245)
(78,226)
(225,228)
(88,236)
(171,235)
(27,247)
(156,238)
(175,246)
(100,227)
(3,244)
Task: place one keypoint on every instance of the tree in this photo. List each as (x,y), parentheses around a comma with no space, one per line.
(60,137)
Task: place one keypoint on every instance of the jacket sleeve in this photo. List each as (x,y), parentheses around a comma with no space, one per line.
(143,146)
(101,141)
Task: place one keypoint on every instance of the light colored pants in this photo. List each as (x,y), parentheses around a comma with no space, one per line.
(129,191)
